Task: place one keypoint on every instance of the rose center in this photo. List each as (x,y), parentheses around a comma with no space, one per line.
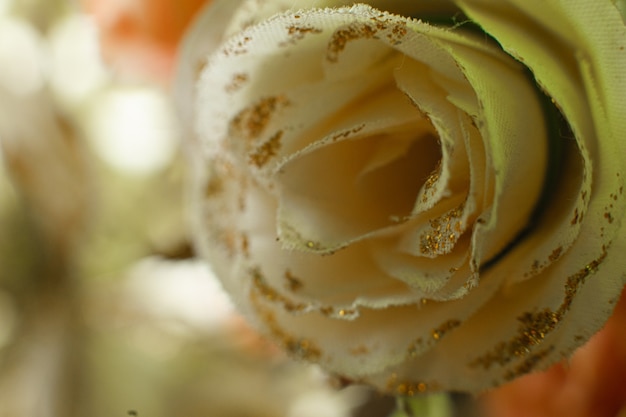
(349,189)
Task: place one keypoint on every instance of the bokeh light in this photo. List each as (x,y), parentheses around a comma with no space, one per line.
(21,55)
(104,309)
(134,129)
(76,67)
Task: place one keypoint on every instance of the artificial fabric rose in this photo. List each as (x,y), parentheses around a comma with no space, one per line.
(418,205)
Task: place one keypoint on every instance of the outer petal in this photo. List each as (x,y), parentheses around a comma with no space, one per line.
(204,36)
(255,11)
(590,38)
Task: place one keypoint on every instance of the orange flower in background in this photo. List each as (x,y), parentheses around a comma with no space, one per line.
(139,37)
(593,384)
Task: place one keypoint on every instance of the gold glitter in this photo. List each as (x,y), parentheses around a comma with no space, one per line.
(342,313)
(416,347)
(443,233)
(534,327)
(555,254)
(297,32)
(252,121)
(293,283)
(398,32)
(238,48)
(265,152)
(311,245)
(289,233)
(410,389)
(218,170)
(239,79)
(341,37)
(327,311)
(528,364)
(404,389)
(301,348)
(441,331)
(270,294)
(430,182)
(245,245)
(213,186)
(347,133)
(536,265)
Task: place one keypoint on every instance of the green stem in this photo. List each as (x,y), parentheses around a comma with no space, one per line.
(433,405)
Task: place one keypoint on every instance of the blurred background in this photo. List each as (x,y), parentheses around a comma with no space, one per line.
(104,312)
(104,309)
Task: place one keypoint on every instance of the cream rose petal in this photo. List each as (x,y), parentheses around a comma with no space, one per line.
(582,69)
(205,34)
(255,11)
(286,96)
(592,100)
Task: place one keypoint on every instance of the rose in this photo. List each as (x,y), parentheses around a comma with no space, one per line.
(398,201)
(140,37)
(231,163)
